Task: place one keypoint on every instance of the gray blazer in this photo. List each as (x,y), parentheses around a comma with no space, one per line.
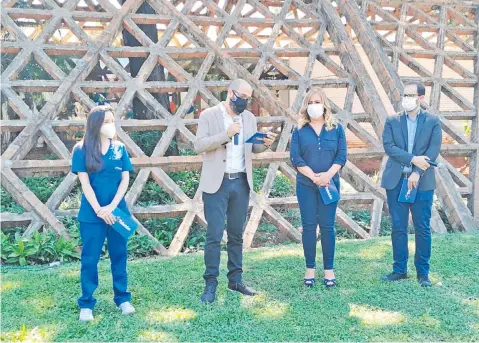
(211,140)
(427,142)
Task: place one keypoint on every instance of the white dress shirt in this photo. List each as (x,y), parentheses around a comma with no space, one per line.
(235,160)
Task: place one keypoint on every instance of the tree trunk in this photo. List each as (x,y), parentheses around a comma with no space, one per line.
(158,73)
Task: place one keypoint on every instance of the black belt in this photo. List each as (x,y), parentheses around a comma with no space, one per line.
(232,176)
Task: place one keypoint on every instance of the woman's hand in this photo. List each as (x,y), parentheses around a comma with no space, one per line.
(105,210)
(322,179)
(108,218)
(105,213)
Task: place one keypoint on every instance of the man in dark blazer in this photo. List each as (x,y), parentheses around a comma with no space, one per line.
(410,139)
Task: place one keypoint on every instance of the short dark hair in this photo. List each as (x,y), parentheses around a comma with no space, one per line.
(421,89)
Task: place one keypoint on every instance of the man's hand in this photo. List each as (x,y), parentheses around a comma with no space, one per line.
(421,162)
(322,179)
(233,129)
(412,181)
(269,139)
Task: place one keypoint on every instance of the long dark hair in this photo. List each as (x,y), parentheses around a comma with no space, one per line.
(92,139)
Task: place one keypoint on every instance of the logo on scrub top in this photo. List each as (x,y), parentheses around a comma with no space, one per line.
(118,168)
(117,152)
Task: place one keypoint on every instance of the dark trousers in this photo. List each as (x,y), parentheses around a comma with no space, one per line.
(421,216)
(230,204)
(313,212)
(93,236)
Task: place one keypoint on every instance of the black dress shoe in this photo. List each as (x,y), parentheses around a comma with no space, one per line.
(424,280)
(209,293)
(241,287)
(394,277)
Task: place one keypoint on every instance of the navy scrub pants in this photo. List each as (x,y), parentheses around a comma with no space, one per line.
(93,236)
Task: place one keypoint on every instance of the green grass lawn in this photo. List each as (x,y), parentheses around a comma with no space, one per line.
(42,304)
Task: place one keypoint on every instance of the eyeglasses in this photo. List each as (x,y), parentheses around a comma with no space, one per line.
(410,95)
(249,100)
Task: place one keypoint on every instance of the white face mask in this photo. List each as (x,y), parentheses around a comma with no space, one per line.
(108,130)
(409,104)
(315,110)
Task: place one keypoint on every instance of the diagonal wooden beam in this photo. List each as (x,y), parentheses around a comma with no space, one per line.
(228,64)
(366,90)
(457,176)
(29,201)
(282,224)
(137,187)
(376,216)
(452,203)
(52,108)
(350,225)
(181,234)
(385,71)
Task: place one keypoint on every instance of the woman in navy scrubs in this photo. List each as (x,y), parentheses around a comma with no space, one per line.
(318,151)
(103,167)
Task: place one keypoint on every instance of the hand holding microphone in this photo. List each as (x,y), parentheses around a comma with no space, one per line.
(235,129)
(424,162)
(434,164)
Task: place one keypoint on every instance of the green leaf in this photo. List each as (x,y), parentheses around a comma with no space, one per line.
(21,245)
(23,261)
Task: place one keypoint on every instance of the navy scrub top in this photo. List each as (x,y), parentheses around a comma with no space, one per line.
(318,152)
(105,182)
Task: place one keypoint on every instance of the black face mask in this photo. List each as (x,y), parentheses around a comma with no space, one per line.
(238,104)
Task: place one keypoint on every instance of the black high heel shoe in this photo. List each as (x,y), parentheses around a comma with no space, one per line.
(309,282)
(329,283)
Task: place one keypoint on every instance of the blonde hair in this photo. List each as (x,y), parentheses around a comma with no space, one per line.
(329,120)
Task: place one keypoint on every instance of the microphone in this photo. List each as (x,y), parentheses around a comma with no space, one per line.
(434,163)
(236,119)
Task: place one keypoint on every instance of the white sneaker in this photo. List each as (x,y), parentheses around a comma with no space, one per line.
(86,315)
(126,308)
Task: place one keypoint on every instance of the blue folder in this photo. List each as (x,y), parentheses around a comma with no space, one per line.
(257,138)
(405,195)
(329,194)
(125,225)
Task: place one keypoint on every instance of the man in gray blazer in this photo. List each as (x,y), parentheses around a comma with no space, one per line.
(410,139)
(226,181)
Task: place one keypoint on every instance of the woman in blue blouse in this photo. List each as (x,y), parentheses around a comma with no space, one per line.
(103,167)
(318,151)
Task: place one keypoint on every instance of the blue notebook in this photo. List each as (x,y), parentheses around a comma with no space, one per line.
(405,195)
(257,138)
(329,194)
(125,225)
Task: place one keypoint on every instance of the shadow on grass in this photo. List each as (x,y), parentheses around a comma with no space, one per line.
(166,294)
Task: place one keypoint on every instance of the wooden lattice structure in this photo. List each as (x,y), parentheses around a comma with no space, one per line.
(264,33)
